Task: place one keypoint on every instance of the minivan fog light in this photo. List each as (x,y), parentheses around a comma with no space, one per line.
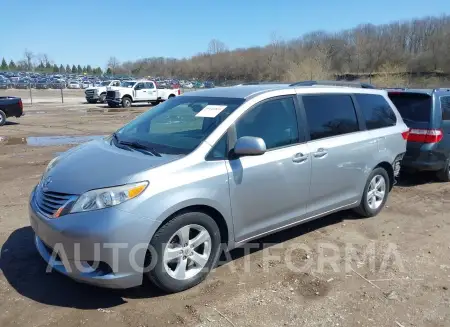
(108,197)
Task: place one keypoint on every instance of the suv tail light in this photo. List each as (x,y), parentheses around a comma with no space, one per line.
(425,135)
(20,104)
(179,92)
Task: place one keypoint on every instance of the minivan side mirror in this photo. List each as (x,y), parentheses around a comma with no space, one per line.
(249,146)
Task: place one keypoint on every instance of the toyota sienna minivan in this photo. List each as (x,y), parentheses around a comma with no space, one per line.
(209,171)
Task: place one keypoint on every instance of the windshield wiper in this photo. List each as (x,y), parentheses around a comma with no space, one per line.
(141,147)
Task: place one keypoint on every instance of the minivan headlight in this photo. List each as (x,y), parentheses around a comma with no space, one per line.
(108,197)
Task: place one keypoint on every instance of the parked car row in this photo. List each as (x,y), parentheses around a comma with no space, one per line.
(24,80)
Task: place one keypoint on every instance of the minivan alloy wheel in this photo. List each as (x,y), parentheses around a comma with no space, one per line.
(376,192)
(187,252)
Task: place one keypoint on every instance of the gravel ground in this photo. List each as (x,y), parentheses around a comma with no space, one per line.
(285,281)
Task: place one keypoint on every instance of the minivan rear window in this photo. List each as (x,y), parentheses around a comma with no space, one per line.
(413,106)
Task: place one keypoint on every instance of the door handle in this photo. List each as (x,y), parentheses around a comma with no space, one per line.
(299,157)
(320,153)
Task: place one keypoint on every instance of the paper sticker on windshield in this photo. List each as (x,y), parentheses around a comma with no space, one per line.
(210,111)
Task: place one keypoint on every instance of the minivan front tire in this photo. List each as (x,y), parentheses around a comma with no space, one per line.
(375,193)
(184,250)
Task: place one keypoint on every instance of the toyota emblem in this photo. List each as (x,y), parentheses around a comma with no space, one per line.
(46,184)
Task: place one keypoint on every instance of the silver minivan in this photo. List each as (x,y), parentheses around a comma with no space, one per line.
(209,171)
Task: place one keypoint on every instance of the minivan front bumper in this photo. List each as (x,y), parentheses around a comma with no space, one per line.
(72,243)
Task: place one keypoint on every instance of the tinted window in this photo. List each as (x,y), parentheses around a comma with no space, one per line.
(445,105)
(274,121)
(330,115)
(413,106)
(376,111)
(140,86)
(149,85)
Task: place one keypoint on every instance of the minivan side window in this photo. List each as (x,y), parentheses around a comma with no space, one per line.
(376,111)
(275,121)
(330,115)
(445,105)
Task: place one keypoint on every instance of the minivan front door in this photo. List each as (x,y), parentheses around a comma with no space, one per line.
(269,191)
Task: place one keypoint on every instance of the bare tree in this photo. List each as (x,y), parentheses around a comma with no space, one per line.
(29,55)
(113,64)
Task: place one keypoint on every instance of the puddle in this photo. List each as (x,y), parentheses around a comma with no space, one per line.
(48,140)
(27,113)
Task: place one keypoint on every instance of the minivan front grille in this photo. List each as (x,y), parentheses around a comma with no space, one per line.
(49,202)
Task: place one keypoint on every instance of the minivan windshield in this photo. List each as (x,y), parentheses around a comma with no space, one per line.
(177,126)
(414,107)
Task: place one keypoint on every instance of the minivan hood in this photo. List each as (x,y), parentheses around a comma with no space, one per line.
(99,164)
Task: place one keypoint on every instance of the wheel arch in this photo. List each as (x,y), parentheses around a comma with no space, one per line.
(210,211)
(390,170)
(128,96)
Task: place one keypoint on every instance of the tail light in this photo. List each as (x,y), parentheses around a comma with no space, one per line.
(20,104)
(179,92)
(405,134)
(425,135)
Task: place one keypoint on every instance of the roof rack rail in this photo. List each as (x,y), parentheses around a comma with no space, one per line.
(260,83)
(445,89)
(335,83)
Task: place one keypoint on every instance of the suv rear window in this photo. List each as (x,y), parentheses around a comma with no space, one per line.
(445,105)
(413,106)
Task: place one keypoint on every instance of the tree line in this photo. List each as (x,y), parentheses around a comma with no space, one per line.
(395,50)
(42,64)
(414,47)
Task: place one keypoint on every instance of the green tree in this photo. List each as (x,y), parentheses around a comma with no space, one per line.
(4,65)
(84,69)
(89,69)
(68,70)
(74,69)
(79,69)
(55,68)
(12,66)
(62,70)
(109,71)
(48,66)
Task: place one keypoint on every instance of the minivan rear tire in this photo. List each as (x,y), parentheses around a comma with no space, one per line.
(158,273)
(364,209)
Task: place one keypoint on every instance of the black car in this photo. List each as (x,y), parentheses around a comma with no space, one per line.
(10,107)
(427,114)
(5,83)
(22,84)
(58,85)
(42,84)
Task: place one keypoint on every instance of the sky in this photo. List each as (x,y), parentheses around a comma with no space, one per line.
(89,32)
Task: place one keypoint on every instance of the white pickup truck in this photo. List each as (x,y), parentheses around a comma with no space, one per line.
(131,92)
(98,93)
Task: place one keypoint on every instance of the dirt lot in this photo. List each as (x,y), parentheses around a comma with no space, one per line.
(406,286)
